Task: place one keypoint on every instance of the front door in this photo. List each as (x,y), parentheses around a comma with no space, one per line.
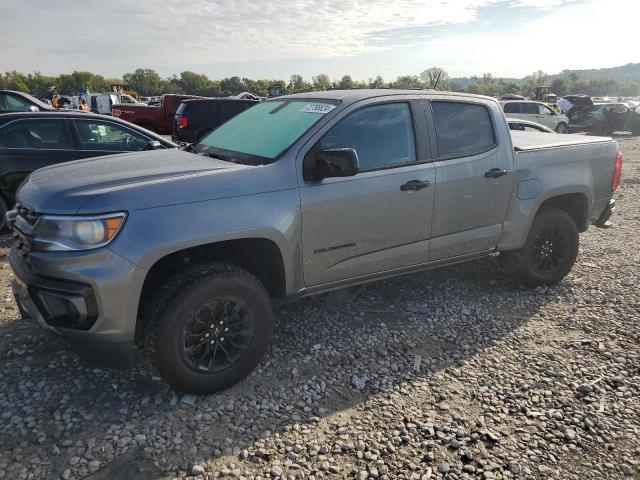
(27,144)
(377,220)
(474,178)
(548,117)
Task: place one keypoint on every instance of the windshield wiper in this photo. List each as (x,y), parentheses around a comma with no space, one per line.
(224,158)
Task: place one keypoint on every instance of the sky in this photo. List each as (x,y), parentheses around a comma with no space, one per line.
(363,38)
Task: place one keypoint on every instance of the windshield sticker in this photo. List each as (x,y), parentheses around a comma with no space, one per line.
(317,108)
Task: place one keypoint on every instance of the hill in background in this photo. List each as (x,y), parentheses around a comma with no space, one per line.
(629,73)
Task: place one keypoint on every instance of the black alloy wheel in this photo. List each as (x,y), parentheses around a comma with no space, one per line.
(216,334)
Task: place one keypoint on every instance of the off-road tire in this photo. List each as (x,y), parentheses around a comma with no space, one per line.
(166,315)
(562,128)
(523,265)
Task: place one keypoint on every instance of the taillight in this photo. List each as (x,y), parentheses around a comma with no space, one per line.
(617,172)
(183,122)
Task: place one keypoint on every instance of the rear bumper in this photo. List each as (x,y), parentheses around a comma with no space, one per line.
(601,222)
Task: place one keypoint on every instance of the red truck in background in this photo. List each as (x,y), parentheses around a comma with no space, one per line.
(157,118)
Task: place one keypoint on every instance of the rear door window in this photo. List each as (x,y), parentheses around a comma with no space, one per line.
(38,134)
(462,129)
(530,108)
(513,107)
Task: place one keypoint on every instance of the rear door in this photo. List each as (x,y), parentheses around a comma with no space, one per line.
(97,137)
(474,177)
(374,221)
(531,111)
(30,143)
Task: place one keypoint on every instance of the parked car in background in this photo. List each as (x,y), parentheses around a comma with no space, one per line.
(518,124)
(12,101)
(196,118)
(600,118)
(181,253)
(157,118)
(29,141)
(104,102)
(537,112)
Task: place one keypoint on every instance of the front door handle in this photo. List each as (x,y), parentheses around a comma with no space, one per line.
(414,185)
(495,173)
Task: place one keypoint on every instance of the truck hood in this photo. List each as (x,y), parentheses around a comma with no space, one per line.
(134,181)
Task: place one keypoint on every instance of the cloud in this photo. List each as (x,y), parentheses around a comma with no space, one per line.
(116,36)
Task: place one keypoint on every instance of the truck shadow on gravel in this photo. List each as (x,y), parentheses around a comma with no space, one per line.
(323,359)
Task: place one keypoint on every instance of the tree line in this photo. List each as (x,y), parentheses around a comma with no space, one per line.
(146,82)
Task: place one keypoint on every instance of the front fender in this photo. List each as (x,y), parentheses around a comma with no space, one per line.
(153,233)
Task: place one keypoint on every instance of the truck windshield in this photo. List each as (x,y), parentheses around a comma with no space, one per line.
(264,131)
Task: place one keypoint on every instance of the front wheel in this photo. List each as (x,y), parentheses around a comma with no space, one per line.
(549,252)
(562,128)
(208,328)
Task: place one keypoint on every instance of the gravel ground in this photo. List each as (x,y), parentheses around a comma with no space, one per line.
(454,373)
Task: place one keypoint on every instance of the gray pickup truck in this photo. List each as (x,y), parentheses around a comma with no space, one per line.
(180,253)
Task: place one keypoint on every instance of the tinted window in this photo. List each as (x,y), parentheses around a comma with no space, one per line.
(462,128)
(16,104)
(512,107)
(40,134)
(382,135)
(232,108)
(530,108)
(97,135)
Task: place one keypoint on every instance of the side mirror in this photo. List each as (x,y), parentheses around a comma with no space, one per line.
(153,145)
(340,162)
(33,108)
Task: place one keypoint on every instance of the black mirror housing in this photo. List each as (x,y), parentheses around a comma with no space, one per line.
(339,162)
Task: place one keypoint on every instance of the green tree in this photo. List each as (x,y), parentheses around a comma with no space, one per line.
(145,81)
(194,83)
(434,77)
(378,82)
(298,84)
(15,81)
(321,82)
(346,83)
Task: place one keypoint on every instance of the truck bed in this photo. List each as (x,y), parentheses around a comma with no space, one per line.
(524,141)
(585,163)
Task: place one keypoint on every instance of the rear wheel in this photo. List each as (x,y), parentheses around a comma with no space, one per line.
(208,328)
(562,128)
(549,252)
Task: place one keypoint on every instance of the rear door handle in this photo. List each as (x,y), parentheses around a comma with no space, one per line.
(495,173)
(414,185)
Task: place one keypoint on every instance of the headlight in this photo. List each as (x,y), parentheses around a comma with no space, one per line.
(61,233)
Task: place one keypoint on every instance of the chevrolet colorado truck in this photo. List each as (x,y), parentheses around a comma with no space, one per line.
(180,253)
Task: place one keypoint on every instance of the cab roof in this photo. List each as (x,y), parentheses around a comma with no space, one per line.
(356,95)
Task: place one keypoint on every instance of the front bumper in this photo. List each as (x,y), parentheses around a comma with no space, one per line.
(601,222)
(91,298)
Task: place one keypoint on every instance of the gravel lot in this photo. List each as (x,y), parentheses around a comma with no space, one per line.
(454,373)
